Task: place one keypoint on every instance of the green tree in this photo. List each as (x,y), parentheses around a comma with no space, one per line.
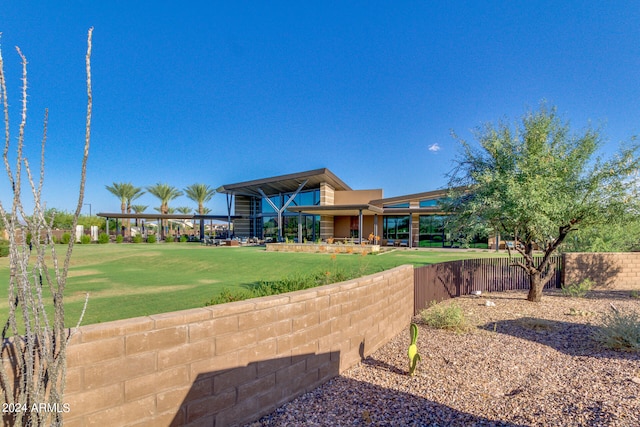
(165,193)
(538,183)
(139,209)
(201,194)
(127,193)
(120,190)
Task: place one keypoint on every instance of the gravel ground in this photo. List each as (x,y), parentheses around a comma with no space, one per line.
(518,364)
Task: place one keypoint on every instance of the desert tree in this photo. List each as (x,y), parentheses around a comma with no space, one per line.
(34,348)
(538,182)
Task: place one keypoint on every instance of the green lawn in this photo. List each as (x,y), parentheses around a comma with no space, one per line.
(130,280)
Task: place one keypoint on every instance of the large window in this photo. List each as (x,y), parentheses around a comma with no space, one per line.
(395,227)
(432,233)
(304,198)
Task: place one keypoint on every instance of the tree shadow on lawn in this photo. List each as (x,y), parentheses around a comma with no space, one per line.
(573,339)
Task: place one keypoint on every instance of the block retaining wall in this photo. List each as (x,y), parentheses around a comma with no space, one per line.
(616,270)
(232,363)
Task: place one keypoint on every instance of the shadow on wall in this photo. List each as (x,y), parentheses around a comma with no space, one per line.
(240,395)
(598,267)
(214,399)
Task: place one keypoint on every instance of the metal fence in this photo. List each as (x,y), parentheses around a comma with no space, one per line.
(446,280)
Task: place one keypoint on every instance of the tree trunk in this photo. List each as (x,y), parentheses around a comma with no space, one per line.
(535,287)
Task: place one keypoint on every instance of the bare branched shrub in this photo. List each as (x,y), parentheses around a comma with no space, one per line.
(33,365)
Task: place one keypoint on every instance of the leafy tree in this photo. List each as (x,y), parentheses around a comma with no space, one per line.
(538,183)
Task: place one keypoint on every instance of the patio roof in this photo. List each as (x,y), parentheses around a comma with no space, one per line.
(152,216)
(285,183)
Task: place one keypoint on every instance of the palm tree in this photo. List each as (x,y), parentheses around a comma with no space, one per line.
(201,194)
(165,193)
(139,209)
(126,192)
(120,190)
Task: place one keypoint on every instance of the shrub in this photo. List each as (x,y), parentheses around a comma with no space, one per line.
(85,239)
(137,238)
(620,330)
(119,238)
(66,238)
(228,296)
(103,238)
(577,290)
(184,238)
(449,317)
(4,248)
(169,239)
(151,238)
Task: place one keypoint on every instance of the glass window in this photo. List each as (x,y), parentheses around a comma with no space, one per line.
(395,227)
(266,206)
(398,205)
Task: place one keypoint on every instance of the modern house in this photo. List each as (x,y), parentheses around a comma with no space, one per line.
(317,205)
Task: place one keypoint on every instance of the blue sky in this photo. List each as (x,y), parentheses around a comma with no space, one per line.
(223,92)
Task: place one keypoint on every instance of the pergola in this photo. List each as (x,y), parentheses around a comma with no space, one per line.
(160,217)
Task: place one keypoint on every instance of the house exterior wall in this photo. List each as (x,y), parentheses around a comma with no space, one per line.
(230,363)
(327,229)
(355,197)
(242,226)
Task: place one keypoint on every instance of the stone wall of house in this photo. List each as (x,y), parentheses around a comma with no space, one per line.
(231,363)
(608,270)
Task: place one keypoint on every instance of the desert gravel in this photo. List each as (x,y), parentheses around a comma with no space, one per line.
(518,364)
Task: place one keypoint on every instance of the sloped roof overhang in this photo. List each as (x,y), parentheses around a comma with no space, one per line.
(285,183)
(338,210)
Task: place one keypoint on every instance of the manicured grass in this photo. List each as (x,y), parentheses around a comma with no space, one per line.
(131,280)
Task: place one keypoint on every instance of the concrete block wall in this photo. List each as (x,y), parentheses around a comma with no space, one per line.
(232,363)
(619,270)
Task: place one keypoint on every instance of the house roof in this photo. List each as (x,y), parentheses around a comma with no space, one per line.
(285,183)
(427,195)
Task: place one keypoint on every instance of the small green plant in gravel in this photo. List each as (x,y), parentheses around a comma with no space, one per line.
(635,294)
(577,290)
(620,330)
(449,317)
